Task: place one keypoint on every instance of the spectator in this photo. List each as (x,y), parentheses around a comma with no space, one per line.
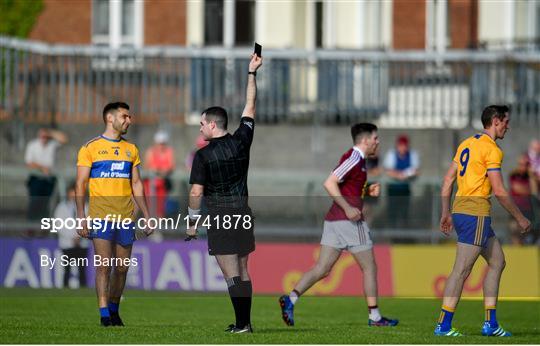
(401,165)
(521,191)
(534,160)
(71,244)
(159,161)
(40,159)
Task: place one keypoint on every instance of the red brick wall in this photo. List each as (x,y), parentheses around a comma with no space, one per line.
(165,22)
(409,24)
(64,21)
(463,16)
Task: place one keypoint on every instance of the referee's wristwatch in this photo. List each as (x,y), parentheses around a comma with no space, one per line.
(254,73)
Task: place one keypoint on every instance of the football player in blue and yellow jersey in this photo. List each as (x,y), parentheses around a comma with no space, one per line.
(477,169)
(108,167)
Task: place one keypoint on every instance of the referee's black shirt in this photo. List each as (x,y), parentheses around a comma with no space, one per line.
(222,168)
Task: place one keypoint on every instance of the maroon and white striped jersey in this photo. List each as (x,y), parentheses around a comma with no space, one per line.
(352,174)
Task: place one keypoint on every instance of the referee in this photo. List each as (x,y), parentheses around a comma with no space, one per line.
(219,174)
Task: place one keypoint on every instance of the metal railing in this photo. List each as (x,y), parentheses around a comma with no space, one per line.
(60,83)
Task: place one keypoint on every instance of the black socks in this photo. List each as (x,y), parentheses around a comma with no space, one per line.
(241,293)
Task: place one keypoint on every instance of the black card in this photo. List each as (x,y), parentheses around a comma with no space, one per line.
(258,49)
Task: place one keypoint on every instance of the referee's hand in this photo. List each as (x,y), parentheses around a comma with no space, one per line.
(255,62)
(191,233)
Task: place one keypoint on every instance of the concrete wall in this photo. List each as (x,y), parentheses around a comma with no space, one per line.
(195,26)
(288,148)
(496,20)
(277,23)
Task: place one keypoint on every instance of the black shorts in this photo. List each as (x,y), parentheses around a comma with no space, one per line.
(237,241)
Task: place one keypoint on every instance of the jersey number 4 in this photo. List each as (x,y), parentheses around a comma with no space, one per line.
(464,160)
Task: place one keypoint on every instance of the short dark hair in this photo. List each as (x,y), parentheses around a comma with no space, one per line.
(361,130)
(113,106)
(218,115)
(493,111)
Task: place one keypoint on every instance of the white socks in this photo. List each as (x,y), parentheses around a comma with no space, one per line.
(374,313)
(293,297)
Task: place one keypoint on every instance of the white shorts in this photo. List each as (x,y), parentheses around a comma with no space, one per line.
(352,236)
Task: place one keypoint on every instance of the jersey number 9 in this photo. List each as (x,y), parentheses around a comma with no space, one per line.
(464,160)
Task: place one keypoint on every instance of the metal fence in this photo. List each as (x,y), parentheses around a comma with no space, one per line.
(59,83)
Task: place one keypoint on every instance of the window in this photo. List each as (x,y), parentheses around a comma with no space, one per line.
(128,24)
(319,24)
(230,22)
(537,21)
(117,23)
(213,22)
(245,23)
(100,15)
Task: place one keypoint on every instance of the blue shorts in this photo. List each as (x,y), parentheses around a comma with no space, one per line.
(471,229)
(118,234)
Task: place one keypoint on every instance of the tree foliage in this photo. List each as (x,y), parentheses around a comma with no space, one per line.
(17,17)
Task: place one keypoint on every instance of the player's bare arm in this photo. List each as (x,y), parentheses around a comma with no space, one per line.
(138,195)
(81,183)
(251,90)
(497,185)
(533,182)
(195,196)
(446,192)
(332,187)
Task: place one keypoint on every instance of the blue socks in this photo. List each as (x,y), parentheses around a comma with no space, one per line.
(491,316)
(445,318)
(114,307)
(111,309)
(104,312)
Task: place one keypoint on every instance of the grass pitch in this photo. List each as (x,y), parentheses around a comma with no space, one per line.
(71,317)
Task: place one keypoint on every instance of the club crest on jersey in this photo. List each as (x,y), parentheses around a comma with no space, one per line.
(128,153)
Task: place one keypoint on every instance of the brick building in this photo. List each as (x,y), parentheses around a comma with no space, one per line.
(114,23)
(371,24)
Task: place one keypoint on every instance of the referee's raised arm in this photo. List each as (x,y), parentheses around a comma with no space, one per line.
(251,90)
